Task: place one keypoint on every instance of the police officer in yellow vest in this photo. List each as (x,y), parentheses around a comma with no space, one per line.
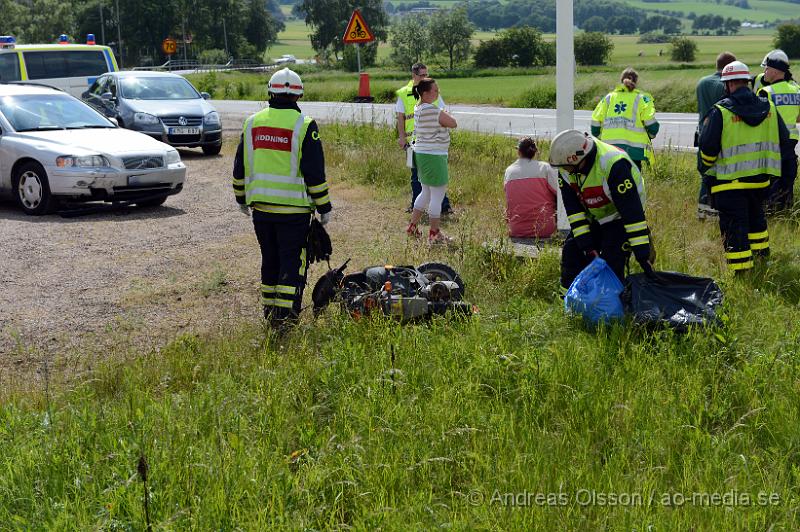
(604,197)
(778,86)
(626,118)
(743,144)
(404,109)
(279,174)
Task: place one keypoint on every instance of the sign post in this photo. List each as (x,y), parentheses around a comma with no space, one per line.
(357,32)
(169,46)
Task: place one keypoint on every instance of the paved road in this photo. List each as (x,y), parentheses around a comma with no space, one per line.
(677,129)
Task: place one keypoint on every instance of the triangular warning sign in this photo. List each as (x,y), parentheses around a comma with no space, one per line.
(357,30)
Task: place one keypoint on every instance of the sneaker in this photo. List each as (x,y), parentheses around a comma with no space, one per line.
(412,231)
(437,237)
(706,211)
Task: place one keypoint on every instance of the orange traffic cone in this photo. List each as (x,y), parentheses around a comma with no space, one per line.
(363,89)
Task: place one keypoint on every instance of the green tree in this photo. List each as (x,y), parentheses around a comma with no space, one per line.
(328,20)
(450,32)
(787,38)
(592,48)
(45,20)
(595,23)
(409,39)
(683,49)
(513,47)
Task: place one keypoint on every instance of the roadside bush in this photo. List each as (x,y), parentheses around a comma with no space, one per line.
(654,38)
(683,49)
(592,48)
(788,39)
(512,47)
(207,83)
(213,56)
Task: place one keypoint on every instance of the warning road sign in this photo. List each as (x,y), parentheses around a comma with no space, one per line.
(357,30)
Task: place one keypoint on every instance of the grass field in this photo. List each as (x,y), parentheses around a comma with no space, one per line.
(750,46)
(518,419)
(536,89)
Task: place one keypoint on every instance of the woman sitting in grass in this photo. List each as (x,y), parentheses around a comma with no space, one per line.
(430,157)
(531,188)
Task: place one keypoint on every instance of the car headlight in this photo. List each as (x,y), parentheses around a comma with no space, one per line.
(212,119)
(145,119)
(173,157)
(85,161)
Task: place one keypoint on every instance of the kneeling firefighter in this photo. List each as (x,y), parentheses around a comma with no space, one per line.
(279,173)
(604,197)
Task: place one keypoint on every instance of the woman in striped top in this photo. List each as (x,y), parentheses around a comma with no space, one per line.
(430,157)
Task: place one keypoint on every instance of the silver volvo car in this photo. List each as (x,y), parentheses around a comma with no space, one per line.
(53,146)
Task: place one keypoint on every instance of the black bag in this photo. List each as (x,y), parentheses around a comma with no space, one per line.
(672,299)
(319,243)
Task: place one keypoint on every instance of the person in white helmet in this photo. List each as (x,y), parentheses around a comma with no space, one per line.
(604,195)
(778,86)
(279,174)
(743,144)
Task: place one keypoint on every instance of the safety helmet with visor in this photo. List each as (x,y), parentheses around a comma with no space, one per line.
(285,81)
(776,59)
(570,147)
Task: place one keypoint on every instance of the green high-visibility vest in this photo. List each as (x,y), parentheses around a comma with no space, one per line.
(786,97)
(273,141)
(749,155)
(623,116)
(758,82)
(409,102)
(594,190)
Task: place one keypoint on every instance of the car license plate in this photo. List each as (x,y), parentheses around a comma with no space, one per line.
(184,131)
(142,180)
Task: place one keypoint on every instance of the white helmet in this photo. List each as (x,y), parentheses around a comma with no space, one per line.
(776,59)
(285,81)
(570,147)
(735,70)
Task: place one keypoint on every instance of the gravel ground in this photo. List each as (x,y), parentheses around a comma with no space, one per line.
(67,283)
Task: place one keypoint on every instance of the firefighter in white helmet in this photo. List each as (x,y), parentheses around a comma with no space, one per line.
(743,144)
(279,174)
(604,197)
(778,86)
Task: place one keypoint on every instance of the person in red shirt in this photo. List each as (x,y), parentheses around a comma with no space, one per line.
(531,189)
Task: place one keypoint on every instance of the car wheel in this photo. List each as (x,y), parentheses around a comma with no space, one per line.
(212,149)
(152,202)
(32,190)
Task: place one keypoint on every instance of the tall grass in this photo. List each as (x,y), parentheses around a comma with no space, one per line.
(369,424)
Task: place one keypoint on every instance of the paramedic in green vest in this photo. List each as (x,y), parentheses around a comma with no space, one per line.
(778,86)
(279,175)
(604,197)
(626,118)
(743,144)
(404,109)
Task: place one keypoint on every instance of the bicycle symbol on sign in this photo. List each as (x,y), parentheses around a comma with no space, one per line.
(358,32)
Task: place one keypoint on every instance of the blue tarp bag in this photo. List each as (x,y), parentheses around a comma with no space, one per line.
(594,294)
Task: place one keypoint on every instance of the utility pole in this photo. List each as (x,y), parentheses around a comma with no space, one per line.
(565,83)
(119,35)
(102,24)
(225,36)
(565,66)
(183,30)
